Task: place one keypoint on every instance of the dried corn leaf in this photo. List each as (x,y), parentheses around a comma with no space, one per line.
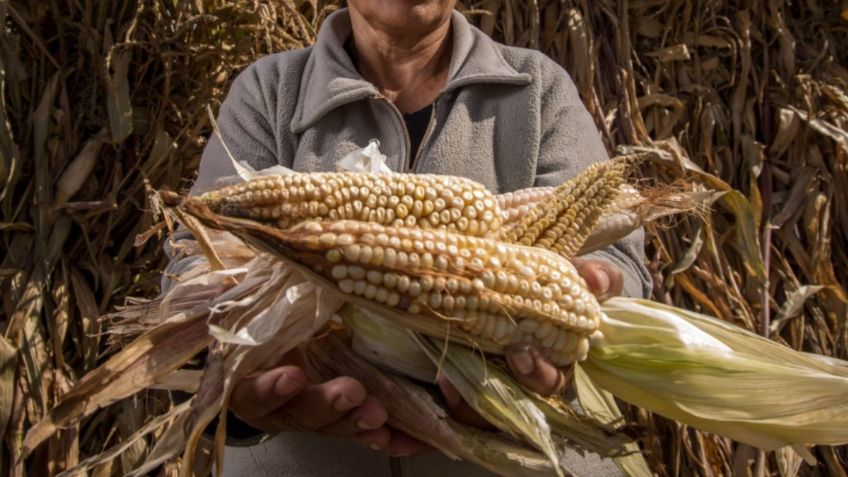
(8,366)
(118,97)
(146,361)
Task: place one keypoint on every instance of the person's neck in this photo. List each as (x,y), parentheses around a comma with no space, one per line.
(410,71)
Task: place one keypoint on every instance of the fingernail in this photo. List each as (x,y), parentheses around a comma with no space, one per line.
(603,283)
(366,425)
(522,361)
(285,385)
(374,446)
(342,404)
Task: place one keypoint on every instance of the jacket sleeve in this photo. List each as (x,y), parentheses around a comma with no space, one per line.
(569,143)
(246,121)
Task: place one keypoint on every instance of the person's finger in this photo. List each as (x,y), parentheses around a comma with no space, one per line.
(392,441)
(319,405)
(534,371)
(258,395)
(369,416)
(377,439)
(616,281)
(596,279)
(459,409)
(604,279)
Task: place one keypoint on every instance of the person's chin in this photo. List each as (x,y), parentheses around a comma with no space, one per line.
(406,17)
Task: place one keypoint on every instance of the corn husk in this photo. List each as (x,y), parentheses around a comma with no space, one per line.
(488,392)
(414,411)
(387,345)
(491,391)
(601,405)
(719,378)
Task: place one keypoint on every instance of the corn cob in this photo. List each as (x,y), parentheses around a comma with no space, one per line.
(515,205)
(494,291)
(412,200)
(563,222)
(558,219)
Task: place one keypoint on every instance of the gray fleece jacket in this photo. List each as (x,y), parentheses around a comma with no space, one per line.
(508,118)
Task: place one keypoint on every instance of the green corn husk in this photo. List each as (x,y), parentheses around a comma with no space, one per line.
(475,377)
(719,378)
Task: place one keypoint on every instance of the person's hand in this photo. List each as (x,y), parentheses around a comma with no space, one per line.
(604,279)
(530,367)
(283,399)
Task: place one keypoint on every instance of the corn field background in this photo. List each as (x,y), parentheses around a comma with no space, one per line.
(101,99)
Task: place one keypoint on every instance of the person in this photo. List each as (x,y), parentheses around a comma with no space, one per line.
(442,98)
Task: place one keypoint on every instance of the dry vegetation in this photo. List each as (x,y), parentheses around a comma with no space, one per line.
(99,98)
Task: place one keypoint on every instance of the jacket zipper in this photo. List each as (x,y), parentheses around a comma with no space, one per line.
(411,164)
(415,166)
(399,117)
(395,466)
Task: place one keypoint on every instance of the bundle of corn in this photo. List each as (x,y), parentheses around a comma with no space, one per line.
(473,290)
(503,293)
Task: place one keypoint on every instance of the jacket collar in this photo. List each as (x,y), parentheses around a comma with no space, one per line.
(330,79)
